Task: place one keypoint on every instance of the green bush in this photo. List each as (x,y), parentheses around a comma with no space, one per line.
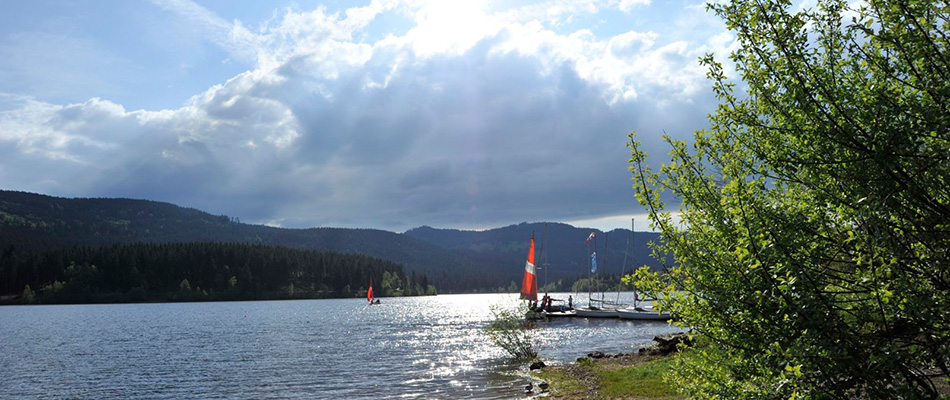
(812,240)
(510,331)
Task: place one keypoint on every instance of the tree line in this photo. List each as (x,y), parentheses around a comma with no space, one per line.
(195,272)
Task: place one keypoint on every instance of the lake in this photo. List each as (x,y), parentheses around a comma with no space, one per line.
(411,347)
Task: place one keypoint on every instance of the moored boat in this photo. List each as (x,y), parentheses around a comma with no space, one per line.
(603,309)
(556,314)
(595,312)
(643,313)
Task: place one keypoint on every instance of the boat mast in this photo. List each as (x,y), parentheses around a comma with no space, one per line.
(623,266)
(593,260)
(539,265)
(633,231)
(536,268)
(605,268)
(590,267)
(544,264)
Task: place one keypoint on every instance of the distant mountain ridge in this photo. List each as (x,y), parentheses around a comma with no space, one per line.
(562,249)
(455,260)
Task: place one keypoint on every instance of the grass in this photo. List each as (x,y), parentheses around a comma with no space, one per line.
(635,377)
(643,381)
(563,383)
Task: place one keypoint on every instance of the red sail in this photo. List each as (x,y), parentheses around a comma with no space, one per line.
(529,286)
(369,293)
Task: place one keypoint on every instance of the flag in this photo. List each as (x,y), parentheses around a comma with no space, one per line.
(593,262)
(591,237)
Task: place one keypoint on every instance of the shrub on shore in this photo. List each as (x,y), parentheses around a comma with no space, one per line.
(813,237)
(512,332)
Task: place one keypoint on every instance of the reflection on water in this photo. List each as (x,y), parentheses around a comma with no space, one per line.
(408,347)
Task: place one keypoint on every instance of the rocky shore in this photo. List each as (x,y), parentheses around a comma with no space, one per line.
(636,375)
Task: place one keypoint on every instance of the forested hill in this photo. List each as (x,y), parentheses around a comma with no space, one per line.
(453,260)
(38,222)
(562,249)
(195,272)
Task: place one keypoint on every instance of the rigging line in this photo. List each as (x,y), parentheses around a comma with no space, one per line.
(623,266)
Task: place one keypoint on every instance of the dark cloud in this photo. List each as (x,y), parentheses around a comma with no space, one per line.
(481,139)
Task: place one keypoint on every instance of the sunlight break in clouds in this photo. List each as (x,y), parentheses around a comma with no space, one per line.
(392,114)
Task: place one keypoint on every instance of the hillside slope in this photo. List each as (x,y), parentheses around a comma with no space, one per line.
(454,260)
(39,222)
(562,248)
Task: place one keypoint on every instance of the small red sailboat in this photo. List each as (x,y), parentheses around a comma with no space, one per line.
(369,294)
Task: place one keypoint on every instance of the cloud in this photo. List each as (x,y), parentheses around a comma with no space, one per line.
(232,36)
(503,122)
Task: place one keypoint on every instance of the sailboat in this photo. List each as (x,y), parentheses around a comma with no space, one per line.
(529,287)
(601,310)
(529,284)
(644,312)
(369,294)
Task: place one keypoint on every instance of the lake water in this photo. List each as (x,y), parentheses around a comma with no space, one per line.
(425,347)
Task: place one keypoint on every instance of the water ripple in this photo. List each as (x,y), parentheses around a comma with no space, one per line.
(424,347)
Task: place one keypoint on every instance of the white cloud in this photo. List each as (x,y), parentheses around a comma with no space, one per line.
(628,5)
(470,118)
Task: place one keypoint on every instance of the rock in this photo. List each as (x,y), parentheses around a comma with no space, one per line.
(667,346)
(596,354)
(537,365)
(579,359)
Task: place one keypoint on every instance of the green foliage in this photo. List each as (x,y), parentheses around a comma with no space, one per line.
(638,378)
(391,285)
(28,296)
(583,285)
(184,287)
(814,249)
(601,283)
(640,381)
(551,286)
(510,331)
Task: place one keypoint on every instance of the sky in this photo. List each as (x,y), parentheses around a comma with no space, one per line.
(385,114)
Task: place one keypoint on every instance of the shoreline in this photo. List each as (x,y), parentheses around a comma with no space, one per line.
(636,375)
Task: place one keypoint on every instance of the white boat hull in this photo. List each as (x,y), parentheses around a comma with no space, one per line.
(595,312)
(643,314)
(569,313)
